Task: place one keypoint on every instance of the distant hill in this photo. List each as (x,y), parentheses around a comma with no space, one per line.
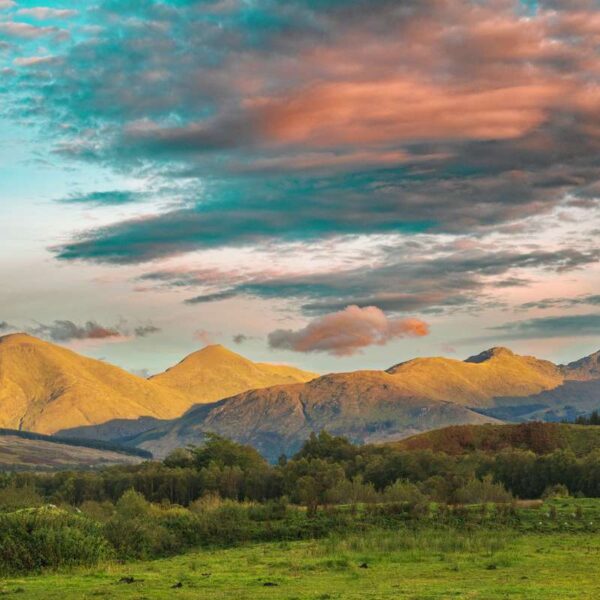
(375,406)
(215,372)
(540,438)
(46,388)
(22,451)
(478,380)
(364,406)
(584,369)
(50,389)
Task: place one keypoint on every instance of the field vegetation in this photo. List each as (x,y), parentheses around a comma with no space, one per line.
(334,521)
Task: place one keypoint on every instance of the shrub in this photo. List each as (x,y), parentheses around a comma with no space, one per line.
(555,491)
(476,491)
(13,497)
(42,538)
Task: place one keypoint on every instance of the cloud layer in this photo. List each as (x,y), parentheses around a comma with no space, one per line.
(347,332)
(302,120)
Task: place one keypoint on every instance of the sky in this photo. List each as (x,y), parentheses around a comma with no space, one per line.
(336,184)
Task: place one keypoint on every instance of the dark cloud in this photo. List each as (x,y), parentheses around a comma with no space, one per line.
(225,295)
(591,300)
(4,326)
(112,198)
(409,277)
(67,331)
(146,330)
(241,338)
(302,120)
(551,327)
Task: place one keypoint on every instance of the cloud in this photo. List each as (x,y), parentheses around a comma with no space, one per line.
(33,61)
(4,326)
(216,297)
(300,121)
(146,330)
(587,325)
(68,331)
(43,13)
(242,338)
(26,31)
(4,4)
(347,332)
(111,198)
(590,299)
(434,276)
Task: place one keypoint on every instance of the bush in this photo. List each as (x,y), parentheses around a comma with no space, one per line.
(477,491)
(555,491)
(13,497)
(43,538)
(403,491)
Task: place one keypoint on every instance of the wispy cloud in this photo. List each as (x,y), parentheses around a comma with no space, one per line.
(44,13)
(550,327)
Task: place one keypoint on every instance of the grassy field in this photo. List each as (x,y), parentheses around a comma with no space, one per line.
(422,564)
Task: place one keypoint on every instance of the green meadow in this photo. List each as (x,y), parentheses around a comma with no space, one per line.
(552,553)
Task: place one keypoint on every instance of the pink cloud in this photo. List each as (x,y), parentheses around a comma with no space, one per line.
(346,332)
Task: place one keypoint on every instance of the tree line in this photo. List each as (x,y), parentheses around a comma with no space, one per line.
(328,470)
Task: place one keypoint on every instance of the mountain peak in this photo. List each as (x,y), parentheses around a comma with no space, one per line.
(584,369)
(18,338)
(214,354)
(215,372)
(495,352)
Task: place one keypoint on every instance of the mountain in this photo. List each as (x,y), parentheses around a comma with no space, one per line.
(20,451)
(364,406)
(376,406)
(215,372)
(540,438)
(478,380)
(584,369)
(46,388)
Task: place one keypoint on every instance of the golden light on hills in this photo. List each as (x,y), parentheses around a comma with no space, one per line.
(46,388)
(215,372)
(478,380)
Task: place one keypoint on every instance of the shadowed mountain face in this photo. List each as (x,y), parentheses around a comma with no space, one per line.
(584,369)
(365,406)
(375,406)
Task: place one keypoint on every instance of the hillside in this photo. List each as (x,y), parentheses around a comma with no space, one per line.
(477,381)
(215,372)
(377,406)
(18,453)
(46,388)
(584,369)
(540,438)
(363,405)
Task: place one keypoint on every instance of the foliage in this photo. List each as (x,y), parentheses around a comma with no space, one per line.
(35,539)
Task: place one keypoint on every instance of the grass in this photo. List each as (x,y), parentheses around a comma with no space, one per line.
(542,558)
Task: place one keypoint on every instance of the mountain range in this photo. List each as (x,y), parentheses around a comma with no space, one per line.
(50,389)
